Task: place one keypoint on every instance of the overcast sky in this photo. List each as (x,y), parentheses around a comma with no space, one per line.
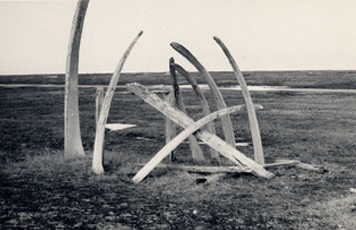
(261,34)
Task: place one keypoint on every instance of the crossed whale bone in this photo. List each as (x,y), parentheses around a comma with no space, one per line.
(192,127)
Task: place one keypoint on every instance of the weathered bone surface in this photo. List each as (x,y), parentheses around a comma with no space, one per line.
(72,137)
(255,131)
(183,120)
(99,102)
(179,139)
(197,153)
(118,126)
(223,169)
(171,127)
(206,169)
(225,120)
(97,165)
(204,105)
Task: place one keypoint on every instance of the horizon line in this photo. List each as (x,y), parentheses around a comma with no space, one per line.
(167,72)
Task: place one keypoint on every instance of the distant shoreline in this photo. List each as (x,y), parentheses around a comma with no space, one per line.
(165,88)
(324,79)
(166,72)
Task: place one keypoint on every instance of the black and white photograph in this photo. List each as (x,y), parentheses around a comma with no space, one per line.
(187,114)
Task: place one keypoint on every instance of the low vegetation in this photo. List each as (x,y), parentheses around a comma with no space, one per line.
(39,189)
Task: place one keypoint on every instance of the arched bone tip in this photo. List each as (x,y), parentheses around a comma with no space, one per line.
(141,32)
(175,44)
(216,39)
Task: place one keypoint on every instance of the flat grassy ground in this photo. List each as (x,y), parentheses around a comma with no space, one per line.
(39,189)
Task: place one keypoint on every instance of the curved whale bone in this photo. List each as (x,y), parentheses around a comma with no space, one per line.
(97,164)
(171,127)
(225,120)
(72,136)
(197,153)
(204,105)
(255,131)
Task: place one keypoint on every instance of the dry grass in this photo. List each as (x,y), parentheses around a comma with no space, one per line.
(40,189)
